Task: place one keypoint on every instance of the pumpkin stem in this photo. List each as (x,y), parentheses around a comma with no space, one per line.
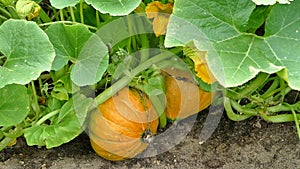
(147,136)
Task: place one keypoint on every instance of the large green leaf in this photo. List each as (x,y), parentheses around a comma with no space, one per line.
(115,7)
(27,49)
(235,56)
(14,105)
(85,49)
(59,4)
(91,63)
(68,41)
(65,127)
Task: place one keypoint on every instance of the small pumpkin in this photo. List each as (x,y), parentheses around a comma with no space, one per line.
(184,96)
(121,126)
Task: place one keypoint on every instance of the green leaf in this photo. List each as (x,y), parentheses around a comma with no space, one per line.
(60,92)
(68,41)
(27,49)
(235,56)
(81,107)
(155,85)
(59,4)
(282,39)
(258,18)
(89,15)
(12,95)
(115,7)
(53,104)
(68,84)
(114,32)
(64,128)
(85,49)
(91,63)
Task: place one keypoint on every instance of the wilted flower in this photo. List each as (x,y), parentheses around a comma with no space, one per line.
(160,14)
(200,65)
(27,8)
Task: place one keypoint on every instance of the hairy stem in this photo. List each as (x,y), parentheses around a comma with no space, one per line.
(67,22)
(296,120)
(47,116)
(72,14)
(231,114)
(5,13)
(250,88)
(81,12)
(61,14)
(98,23)
(13,12)
(109,92)
(36,106)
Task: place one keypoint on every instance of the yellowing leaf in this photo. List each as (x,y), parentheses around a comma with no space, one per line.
(160,14)
(200,64)
(12,143)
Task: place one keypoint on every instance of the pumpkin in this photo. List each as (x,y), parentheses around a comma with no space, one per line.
(121,126)
(184,96)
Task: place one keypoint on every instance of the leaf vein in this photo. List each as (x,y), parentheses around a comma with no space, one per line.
(246,56)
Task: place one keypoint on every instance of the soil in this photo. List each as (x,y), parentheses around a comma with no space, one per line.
(248,144)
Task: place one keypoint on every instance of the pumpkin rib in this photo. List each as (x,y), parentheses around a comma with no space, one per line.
(147,107)
(184,96)
(111,111)
(134,144)
(126,143)
(130,126)
(132,147)
(106,155)
(140,109)
(134,150)
(115,137)
(137,116)
(105,124)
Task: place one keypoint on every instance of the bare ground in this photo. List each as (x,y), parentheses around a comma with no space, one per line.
(248,144)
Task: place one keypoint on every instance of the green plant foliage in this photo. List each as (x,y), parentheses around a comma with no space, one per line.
(115,7)
(27,49)
(63,128)
(240,55)
(60,61)
(62,4)
(257,19)
(86,50)
(68,41)
(13,95)
(91,63)
(114,32)
(7,2)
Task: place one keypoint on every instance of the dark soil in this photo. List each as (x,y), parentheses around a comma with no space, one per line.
(249,144)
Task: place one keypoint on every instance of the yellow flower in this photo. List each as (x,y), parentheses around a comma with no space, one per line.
(160,14)
(200,65)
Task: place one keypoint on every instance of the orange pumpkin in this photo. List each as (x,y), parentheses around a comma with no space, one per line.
(184,96)
(121,126)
